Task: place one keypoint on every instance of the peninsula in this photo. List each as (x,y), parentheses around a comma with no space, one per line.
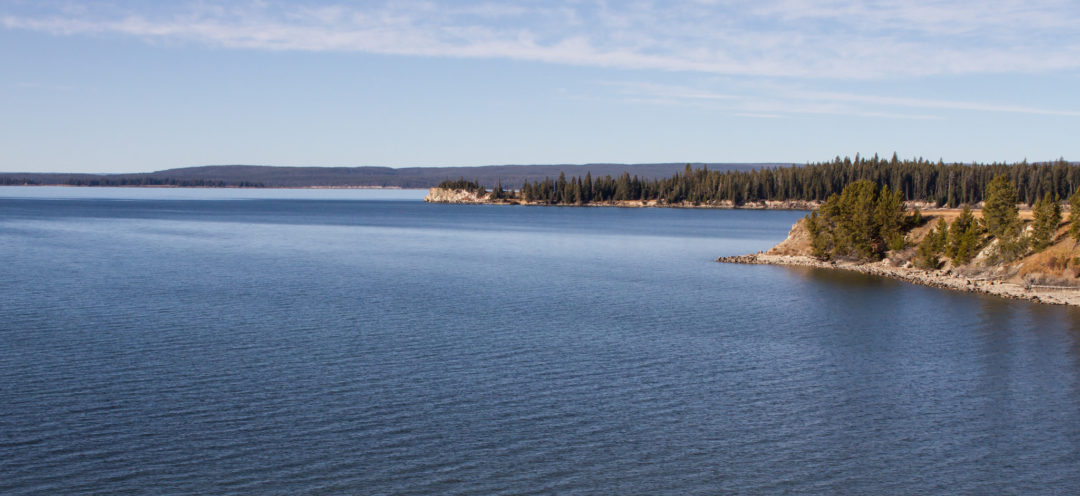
(997,249)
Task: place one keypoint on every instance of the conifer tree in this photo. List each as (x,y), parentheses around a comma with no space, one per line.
(821,238)
(940,238)
(587,188)
(1047,214)
(1003,219)
(1074,215)
(926,256)
(963,237)
(1000,212)
(889,218)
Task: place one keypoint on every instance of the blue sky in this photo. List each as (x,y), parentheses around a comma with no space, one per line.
(117,86)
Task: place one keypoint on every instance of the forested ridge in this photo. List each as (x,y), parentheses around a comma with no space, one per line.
(254,176)
(119,181)
(920,180)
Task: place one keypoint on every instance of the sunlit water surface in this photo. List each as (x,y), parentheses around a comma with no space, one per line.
(165,341)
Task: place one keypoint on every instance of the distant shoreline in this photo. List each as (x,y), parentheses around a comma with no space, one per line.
(462,197)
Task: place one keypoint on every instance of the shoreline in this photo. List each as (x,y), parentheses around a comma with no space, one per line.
(935,279)
(634,204)
(638,204)
(462,197)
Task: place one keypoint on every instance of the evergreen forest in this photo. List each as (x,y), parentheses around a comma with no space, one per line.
(919,180)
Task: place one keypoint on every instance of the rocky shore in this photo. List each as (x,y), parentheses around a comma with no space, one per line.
(443,195)
(936,279)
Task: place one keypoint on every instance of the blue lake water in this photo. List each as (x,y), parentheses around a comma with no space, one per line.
(362,342)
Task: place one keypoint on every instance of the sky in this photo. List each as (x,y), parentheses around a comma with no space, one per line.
(131,86)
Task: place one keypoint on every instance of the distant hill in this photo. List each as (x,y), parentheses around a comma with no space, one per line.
(511,176)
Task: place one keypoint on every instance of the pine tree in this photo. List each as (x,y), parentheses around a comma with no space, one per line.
(1000,212)
(857,233)
(1074,215)
(889,218)
(1055,215)
(587,188)
(622,188)
(926,256)
(1047,214)
(821,238)
(527,191)
(562,189)
(940,238)
(963,237)
(1003,219)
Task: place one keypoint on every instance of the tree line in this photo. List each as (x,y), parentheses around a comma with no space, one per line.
(920,180)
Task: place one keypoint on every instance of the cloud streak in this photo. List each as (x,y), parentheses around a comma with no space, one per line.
(775,101)
(773,38)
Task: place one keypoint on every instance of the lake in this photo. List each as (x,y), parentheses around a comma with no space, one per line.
(174,341)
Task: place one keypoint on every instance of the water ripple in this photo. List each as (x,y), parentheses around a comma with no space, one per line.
(304,346)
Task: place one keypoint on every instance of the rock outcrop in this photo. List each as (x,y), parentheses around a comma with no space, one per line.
(443,195)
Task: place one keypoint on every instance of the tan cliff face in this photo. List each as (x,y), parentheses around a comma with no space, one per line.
(442,195)
(797,243)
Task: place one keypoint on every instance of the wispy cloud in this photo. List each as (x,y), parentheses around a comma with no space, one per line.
(937,104)
(773,100)
(783,38)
